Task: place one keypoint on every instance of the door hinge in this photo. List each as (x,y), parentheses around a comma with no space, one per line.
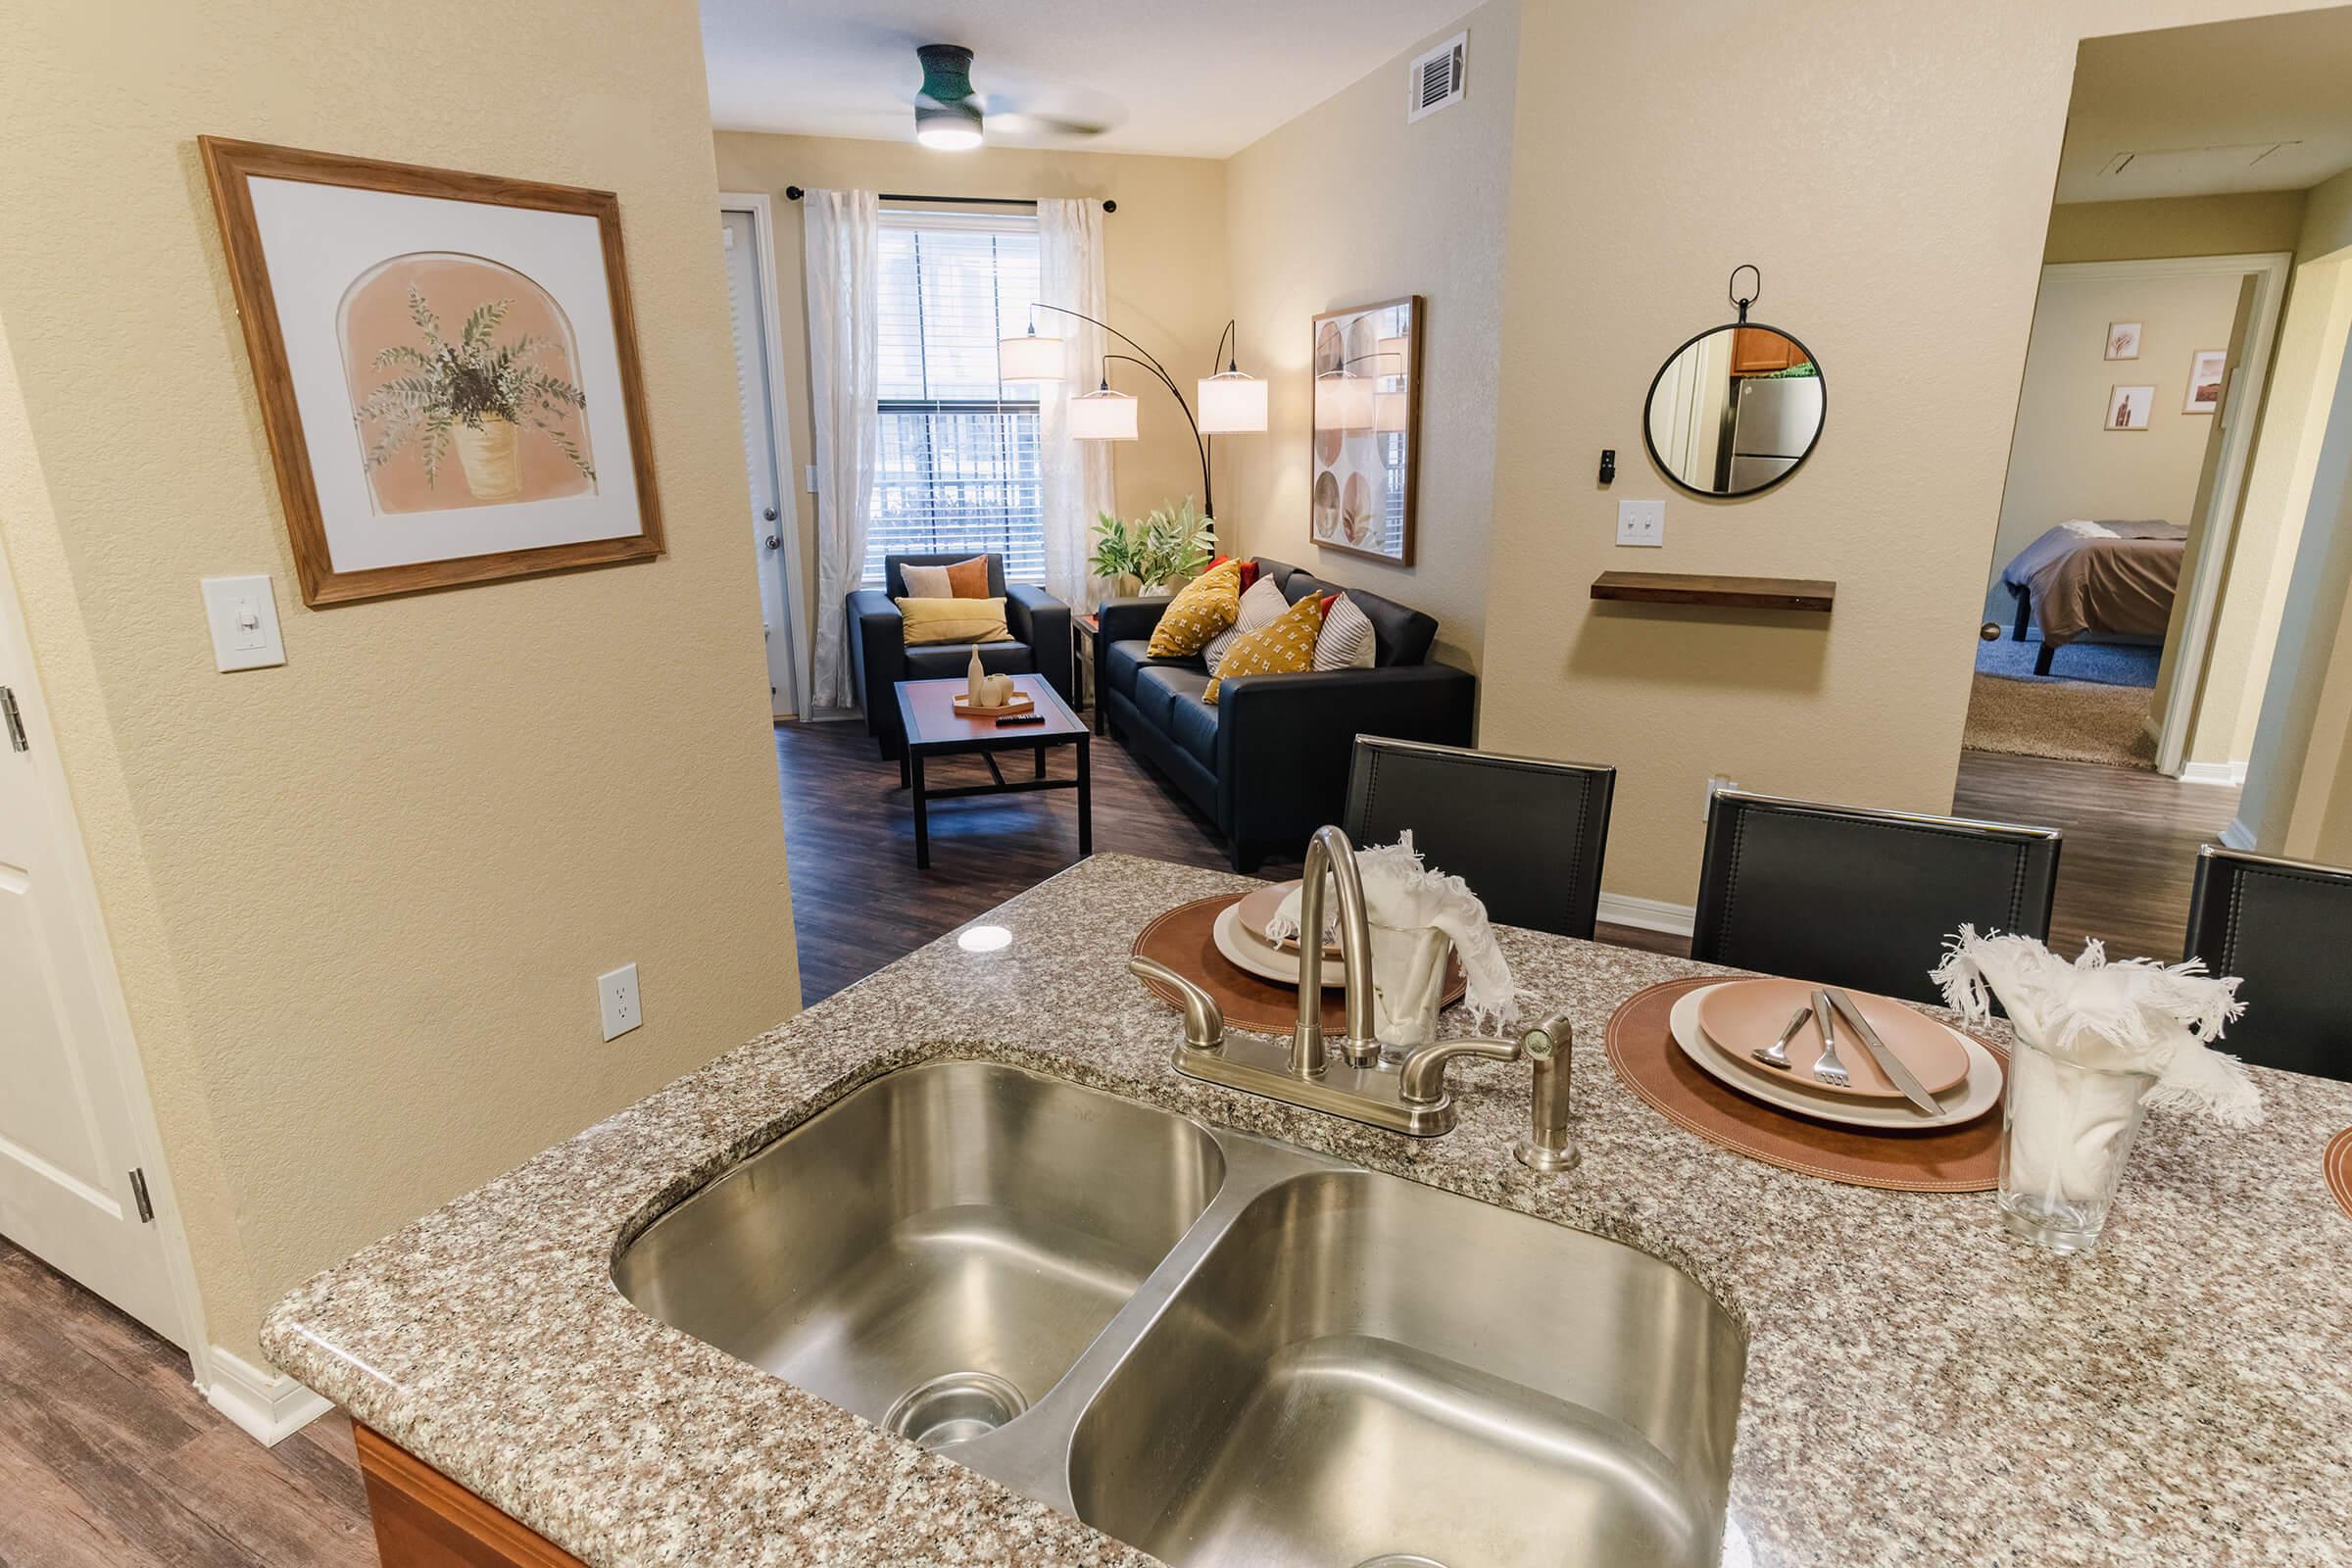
(14,719)
(139,1192)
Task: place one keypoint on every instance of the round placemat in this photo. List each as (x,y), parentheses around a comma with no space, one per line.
(1184,940)
(2338,1162)
(1940,1160)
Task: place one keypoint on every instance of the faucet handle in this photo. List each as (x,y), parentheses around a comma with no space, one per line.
(1422,1079)
(1203,1019)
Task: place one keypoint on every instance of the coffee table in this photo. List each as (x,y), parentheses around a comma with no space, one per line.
(935,729)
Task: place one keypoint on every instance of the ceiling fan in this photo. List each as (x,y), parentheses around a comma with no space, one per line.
(949,114)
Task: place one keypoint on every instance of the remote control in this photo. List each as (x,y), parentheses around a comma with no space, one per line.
(1020,718)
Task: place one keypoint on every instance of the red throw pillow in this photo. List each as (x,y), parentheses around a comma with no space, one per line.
(1248,569)
(1328,601)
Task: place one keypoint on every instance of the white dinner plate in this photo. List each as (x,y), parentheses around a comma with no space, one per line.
(1234,940)
(1971,1098)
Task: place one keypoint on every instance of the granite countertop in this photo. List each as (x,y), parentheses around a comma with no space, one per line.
(2182,1396)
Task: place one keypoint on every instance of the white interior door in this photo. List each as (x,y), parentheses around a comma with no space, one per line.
(68,1148)
(775,534)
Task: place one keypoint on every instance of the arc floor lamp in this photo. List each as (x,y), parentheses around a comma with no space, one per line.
(1231,403)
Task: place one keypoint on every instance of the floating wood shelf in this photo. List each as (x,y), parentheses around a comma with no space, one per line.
(1706,588)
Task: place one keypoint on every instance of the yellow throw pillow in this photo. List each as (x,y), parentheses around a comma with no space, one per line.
(1205,608)
(1282,649)
(953,621)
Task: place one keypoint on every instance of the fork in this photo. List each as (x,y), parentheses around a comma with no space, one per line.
(1776,1055)
(1829,1070)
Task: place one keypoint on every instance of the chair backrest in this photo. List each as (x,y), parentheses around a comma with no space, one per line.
(1525,834)
(1400,634)
(894,575)
(1858,898)
(2285,928)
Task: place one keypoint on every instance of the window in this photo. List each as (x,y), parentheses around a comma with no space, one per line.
(955,466)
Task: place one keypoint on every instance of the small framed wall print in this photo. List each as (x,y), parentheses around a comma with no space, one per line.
(2123,340)
(2208,374)
(447,365)
(2128,407)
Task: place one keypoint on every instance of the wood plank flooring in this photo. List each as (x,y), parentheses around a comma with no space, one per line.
(2130,851)
(110,1458)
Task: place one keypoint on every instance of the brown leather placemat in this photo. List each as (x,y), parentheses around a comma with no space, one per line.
(2338,1162)
(1184,940)
(1943,1159)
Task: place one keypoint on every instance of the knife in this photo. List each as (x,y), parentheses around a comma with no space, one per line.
(1889,1063)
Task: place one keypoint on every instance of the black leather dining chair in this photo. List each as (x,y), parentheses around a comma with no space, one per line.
(2285,928)
(1858,898)
(1525,834)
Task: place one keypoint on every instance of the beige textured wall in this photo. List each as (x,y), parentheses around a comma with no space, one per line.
(1163,263)
(2063,462)
(359,901)
(2242,223)
(1913,281)
(1347,204)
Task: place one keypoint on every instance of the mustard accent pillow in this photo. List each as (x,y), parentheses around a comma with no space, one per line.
(1205,608)
(1284,647)
(953,621)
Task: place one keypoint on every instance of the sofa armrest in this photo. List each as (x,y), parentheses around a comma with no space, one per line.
(1122,621)
(877,657)
(1284,742)
(1042,621)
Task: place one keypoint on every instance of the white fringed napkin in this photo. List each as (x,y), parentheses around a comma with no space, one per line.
(1402,896)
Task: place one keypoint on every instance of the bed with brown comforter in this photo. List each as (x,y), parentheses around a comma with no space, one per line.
(2110,578)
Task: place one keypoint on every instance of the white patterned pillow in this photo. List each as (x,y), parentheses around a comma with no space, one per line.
(1261,606)
(1346,641)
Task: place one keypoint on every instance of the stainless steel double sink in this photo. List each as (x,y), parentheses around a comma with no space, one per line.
(1217,1349)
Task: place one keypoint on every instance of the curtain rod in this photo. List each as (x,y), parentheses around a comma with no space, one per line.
(793,193)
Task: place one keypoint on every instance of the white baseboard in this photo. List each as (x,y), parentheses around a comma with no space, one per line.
(268,1405)
(2230,773)
(1646,914)
(2238,836)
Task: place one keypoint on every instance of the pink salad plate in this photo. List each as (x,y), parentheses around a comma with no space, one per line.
(1747,1015)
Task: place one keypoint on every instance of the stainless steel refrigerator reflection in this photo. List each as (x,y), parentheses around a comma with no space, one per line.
(1774,420)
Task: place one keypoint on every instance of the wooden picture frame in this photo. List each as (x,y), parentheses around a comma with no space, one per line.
(1364,425)
(553,465)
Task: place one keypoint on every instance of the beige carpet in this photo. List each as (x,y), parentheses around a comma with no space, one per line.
(2074,721)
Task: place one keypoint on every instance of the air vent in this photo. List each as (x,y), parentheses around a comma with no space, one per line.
(1435,80)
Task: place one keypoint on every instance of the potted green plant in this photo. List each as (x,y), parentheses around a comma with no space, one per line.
(1150,555)
(476,394)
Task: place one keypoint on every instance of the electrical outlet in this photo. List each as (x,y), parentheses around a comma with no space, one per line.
(1716,781)
(1640,523)
(617,993)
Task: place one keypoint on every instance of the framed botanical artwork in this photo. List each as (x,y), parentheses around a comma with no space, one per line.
(2123,340)
(2128,407)
(447,365)
(1364,443)
(2208,374)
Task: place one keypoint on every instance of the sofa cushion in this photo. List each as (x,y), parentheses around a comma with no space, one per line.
(1287,646)
(1261,605)
(893,577)
(953,621)
(964,580)
(1122,659)
(950,661)
(1202,608)
(1193,725)
(1402,634)
(1347,638)
(1157,688)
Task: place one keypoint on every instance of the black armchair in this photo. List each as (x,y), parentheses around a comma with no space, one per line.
(879,657)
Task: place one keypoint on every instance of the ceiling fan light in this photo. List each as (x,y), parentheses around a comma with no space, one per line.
(1231,403)
(948,133)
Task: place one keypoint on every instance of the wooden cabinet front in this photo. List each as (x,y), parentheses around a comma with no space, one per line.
(425,1520)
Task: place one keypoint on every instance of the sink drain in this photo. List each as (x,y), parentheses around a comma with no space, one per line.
(956,1405)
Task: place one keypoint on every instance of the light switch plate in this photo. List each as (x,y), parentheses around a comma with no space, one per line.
(1640,523)
(616,994)
(243,616)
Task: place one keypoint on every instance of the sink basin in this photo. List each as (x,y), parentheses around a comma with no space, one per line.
(934,1251)
(1363,1370)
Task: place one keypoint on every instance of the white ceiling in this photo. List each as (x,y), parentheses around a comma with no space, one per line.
(2263,104)
(1201,78)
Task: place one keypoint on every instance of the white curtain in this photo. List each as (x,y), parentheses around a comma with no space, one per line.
(843,369)
(1074,476)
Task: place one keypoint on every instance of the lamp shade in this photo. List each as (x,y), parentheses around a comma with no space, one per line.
(1103,415)
(1390,414)
(1030,357)
(1231,403)
(1342,401)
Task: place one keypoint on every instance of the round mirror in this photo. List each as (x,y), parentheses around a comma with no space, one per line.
(1735,411)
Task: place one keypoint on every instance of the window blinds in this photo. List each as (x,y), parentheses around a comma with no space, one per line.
(957,461)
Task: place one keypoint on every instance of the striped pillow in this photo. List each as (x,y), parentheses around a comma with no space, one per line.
(1346,641)
(1262,605)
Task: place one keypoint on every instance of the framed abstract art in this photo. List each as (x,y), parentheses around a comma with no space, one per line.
(447,366)
(1366,429)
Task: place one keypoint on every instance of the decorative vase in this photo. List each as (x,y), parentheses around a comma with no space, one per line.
(2066,1133)
(487,454)
(973,675)
(1158,590)
(1408,978)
